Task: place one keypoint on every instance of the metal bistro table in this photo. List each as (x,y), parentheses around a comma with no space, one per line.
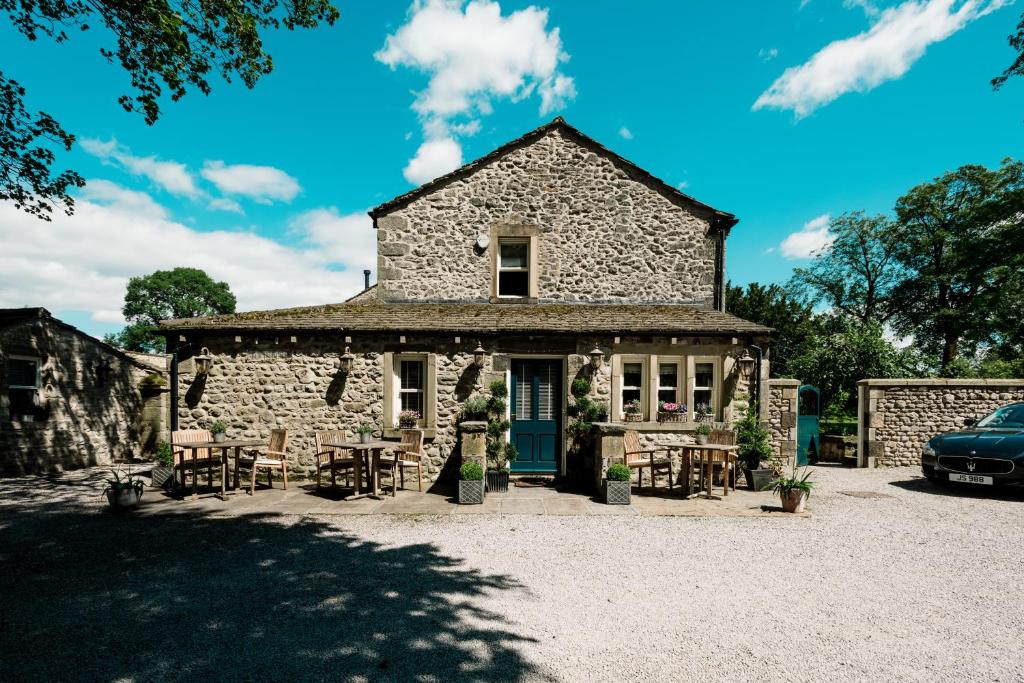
(707,455)
(372,449)
(237,444)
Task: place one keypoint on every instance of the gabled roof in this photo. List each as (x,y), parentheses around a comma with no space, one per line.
(15,316)
(720,219)
(674,319)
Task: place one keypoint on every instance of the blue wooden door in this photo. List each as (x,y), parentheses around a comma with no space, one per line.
(536,410)
(808,414)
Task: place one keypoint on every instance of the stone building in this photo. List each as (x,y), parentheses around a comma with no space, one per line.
(549,259)
(69,400)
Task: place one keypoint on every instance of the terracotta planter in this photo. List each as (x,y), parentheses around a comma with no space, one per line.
(793,500)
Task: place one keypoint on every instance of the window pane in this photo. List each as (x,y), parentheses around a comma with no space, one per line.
(630,395)
(514,283)
(702,397)
(411,372)
(546,399)
(22,401)
(704,375)
(412,400)
(524,395)
(632,374)
(21,373)
(668,375)
(667,395)
(514,255)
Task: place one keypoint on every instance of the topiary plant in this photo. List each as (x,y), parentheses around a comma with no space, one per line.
(498,388)
(753,439)
(471,471)
(164,454)
(580,387)
(618,472)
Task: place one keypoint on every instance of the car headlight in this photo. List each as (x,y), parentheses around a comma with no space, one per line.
(928,450)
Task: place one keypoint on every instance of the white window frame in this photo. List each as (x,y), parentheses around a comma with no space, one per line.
(680,388)
(393,388)
(716,386)
(526,241)
(618,376)
(422,391)
(39,367)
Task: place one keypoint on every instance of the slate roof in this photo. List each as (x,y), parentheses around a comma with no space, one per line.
(481,319)
(721,220)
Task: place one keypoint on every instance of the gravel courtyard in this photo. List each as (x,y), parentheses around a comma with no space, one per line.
(902,581)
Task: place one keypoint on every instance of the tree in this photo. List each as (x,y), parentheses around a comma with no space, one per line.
(1016,41)
(771,305)
(167,294)
(162,45)
(858,273)
(959,238)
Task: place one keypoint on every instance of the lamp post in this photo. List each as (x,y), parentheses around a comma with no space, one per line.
(596,358)
(203,362)
(479,355)
(346,361)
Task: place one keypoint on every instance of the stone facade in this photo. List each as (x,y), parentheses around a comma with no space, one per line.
(602,236)
(90,410)
(782,414)
(896,417)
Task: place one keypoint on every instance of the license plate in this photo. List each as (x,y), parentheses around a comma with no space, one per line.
(970,478)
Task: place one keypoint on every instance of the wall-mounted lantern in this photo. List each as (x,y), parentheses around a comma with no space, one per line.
(203,362)
(746,364)
(479,355)
(346,361)
(596,358)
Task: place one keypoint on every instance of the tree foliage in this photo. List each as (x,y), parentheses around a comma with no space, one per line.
(959,239)
(166,48)
(164,295)
(858,273)
(772,305)
(1016,41)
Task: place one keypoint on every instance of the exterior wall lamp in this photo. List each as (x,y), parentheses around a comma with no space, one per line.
(479,355)
(346,361)
(203,362)
(746,364)
(596,358)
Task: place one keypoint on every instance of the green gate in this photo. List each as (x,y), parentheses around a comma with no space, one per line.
(808,438)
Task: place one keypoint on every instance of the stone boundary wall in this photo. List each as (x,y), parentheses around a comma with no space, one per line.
(781,415)
(896,417)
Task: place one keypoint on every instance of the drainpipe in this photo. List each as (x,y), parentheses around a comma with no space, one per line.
(174,383)
(757,381)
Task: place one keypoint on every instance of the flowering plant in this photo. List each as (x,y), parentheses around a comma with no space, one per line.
(407,419)
(670,407)
(632,407)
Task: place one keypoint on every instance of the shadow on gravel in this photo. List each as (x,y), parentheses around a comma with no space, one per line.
(922,485)
(96,596)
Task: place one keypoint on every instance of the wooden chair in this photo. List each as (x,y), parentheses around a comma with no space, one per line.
(409,453)
(725,437)
(182,457)
(638,458)
(325,446)
(273,458)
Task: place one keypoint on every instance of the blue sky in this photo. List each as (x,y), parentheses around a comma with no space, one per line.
(781,112)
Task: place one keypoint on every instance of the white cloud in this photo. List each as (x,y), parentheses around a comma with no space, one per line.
(434,158)
(884,52)
(474,55)
(768,54)
(808,240)
(870,8)
(170,175)
(83,262)
(625,133)
(225,204)
(263,184)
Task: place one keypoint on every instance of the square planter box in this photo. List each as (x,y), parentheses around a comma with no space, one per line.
(471,492)
(616,492)
(162,477)
(497,481)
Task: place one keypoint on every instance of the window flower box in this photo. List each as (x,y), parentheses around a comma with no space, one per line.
(672,417)
(632,417)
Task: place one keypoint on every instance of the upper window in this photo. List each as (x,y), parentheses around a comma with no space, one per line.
(514,268)
(704,389)
(411,385)
(668,382)
(633,387)
(23,387)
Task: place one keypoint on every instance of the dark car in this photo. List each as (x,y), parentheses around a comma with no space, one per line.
(989,451)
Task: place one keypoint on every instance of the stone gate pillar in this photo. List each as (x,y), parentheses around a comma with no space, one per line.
(473,437)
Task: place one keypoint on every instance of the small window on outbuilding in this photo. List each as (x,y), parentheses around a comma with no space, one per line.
(23,387)
(514,268)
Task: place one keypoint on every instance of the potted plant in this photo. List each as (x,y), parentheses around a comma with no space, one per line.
(497,476)
(123,491)
(163,472)
(475,408)
(408,419)
(219,431)
(365,432)
(755,447)
(617,484)
(671,412)
(702,433)
(794,490)
(632,411)
(704,413)
(471,484)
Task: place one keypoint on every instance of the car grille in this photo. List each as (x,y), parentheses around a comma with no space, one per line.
(960,463)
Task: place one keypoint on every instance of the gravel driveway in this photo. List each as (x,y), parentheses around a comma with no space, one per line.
(903,581)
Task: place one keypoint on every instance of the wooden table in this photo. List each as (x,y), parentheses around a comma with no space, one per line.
(237,444)
(708,454)
(362,450)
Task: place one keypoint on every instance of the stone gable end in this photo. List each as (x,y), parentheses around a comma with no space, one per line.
(602,235)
